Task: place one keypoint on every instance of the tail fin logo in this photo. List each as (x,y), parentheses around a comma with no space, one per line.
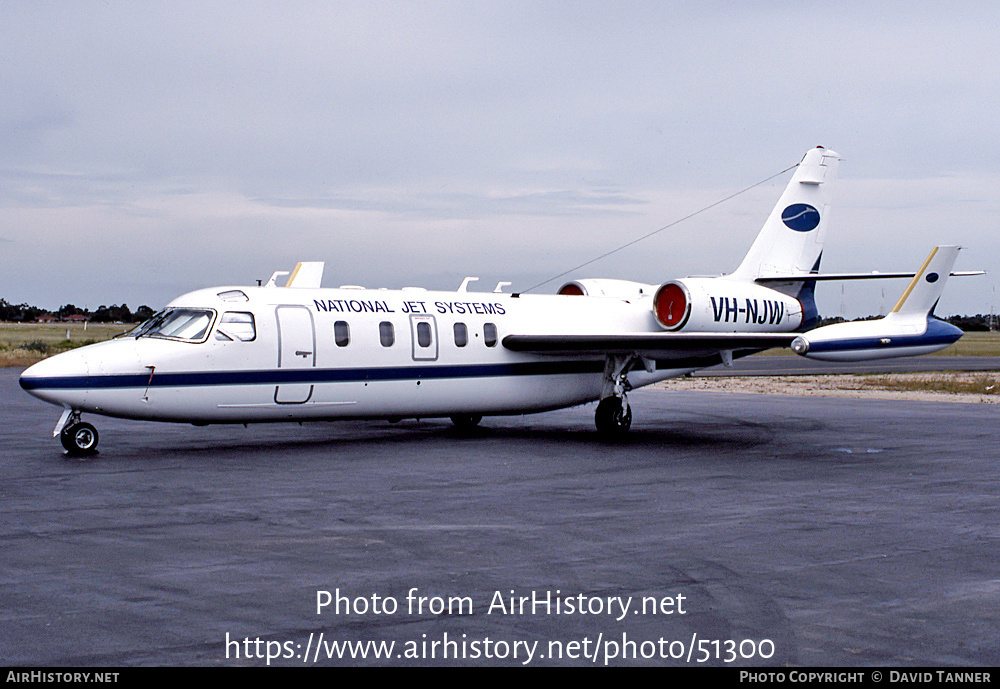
(800,217)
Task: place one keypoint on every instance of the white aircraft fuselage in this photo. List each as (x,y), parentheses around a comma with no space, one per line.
(348,353)
(301,352)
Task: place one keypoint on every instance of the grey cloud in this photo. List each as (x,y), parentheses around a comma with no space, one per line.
(550,203)
(551,116)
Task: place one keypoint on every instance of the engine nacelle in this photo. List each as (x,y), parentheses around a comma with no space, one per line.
(603,287)
(884,338)
(721,305)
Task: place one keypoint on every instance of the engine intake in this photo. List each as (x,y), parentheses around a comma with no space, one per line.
(723,305)
(672,305)
(605,287)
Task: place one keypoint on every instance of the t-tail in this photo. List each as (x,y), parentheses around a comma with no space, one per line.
(789,247)
(791,242)
(909,329)
(773,288)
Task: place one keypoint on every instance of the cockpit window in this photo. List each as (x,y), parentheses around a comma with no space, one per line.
(189,325)
(236,325)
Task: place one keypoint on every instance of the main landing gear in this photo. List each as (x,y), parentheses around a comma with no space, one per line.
(77,437)
(614,415)
(466,422)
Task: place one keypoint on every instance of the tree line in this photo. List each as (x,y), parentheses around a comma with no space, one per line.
(970,324)
(25,313)
(977,323)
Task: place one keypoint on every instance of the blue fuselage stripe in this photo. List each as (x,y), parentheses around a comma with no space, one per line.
(289,376)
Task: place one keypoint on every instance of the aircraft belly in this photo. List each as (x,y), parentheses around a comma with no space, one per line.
(444,397)
(331,400)
(361,393)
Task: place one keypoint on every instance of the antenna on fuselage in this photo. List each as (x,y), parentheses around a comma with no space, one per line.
(273,282)
(464,287)
(654,232)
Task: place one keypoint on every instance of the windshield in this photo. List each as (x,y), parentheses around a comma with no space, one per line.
(189,325)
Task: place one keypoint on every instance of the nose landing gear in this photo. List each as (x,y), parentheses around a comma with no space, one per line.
(77,437)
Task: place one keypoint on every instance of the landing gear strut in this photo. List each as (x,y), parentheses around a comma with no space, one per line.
(614,415)
(78,437)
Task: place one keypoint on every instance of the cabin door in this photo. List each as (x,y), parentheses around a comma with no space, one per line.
(296,352)
(423,329)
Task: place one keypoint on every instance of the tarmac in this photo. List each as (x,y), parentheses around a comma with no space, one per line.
(725,530)
(798,366)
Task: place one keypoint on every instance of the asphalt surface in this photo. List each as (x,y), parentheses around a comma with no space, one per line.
(796,365)
(814,531)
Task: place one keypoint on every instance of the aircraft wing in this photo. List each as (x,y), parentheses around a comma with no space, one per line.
(660,346)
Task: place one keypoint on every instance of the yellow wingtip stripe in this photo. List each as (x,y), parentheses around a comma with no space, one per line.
(291,278)
(913,282)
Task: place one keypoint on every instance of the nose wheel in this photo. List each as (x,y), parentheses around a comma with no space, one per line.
(78,437)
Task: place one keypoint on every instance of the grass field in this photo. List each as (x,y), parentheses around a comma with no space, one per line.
(966,384)
(974,344)
(22,344)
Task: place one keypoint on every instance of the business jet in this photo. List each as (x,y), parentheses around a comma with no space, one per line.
(300,352)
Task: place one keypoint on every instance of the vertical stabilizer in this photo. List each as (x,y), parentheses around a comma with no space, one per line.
(791,240)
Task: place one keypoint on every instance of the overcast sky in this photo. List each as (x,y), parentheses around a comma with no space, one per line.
(148,149)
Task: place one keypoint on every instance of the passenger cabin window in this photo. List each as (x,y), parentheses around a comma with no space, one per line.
(236,325)
(461,335)
(490,334)
(386,334)
(341,333)
(424,334)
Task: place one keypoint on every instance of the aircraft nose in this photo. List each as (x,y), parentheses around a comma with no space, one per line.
(60,379)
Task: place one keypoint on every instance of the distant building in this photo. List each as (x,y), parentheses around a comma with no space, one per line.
(74,318)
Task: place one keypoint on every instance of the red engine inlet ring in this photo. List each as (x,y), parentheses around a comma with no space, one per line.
(670,306)
(570,289)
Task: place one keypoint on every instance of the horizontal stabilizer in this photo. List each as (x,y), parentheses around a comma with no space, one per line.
(874,275)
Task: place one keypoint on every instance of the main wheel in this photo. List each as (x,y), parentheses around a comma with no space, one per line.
(466,421)
(613,416)
(79,439)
